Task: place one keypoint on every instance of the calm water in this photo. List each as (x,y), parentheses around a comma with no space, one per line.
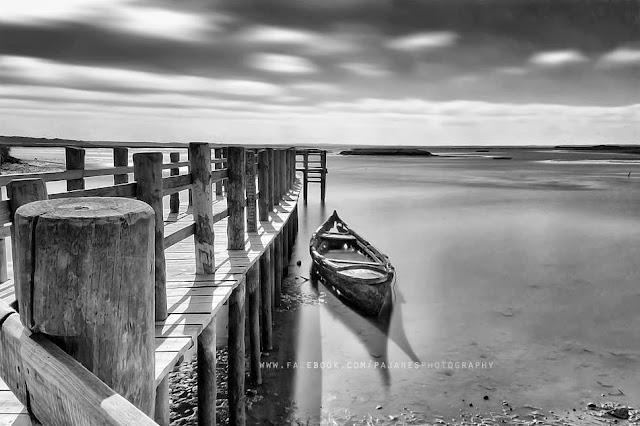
(530,266)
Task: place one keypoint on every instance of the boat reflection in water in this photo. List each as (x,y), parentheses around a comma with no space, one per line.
(373,332)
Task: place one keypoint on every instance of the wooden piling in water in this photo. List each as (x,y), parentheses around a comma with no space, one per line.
(174,199)
(111,333)
(74,159)
(323,175)
(266,290)
(253,288)
(147,170)
(218,166)
(203,236)
(207,391)
(305,175)
(237,413)
(250,173)
(162,411)
(120,159)
(277,267)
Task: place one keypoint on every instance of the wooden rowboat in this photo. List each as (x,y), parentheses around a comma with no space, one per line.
(359,273)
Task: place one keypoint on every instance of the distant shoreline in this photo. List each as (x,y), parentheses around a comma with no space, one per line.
(414,152)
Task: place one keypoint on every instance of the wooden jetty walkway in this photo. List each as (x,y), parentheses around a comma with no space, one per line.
(213,250)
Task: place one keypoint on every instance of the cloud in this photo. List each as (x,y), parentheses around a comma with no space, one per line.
(285,64)
(511,71)
(115,15)
(36,71)
(620,57)
(557,58)
(263,34)
(423,41)
(364,69)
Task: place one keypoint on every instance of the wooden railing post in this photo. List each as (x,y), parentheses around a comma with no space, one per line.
(263,185)
(75,161)
(200,154)
(323,175)
(235,197)
(277,267)
(120,159)
(218,166)
(69,248)
(250,173)
(147,171)
(305,175)
(174,199)
(236,345)
(272,179)
(277,163)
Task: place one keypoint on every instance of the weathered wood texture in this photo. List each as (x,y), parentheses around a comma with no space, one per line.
(162,408)
(85,276)
(174,199)
(277,267)
(57,389)
(250,173)
(120,159)
(237,413)
(266,289)
(283,173)
(207,391)
(263,185)
(74,158)
(253,288)
(323,175)
(218,166)
(271,202)
(147,170)
(305,175)
(235,197)
(200,155)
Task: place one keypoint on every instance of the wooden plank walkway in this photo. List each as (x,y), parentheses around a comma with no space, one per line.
(192,300)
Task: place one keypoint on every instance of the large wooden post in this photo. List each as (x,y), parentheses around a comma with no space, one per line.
(305,176)
(3,258)
(85,273)
(120,159)
(253,287)
(162,412)
(272,179)
(174,199)
(235,197)
(207,391)
(263,185)
(266,315)
(283,173)
(272,273)
(237,414)
(75,161)
(200,155)
(277,187)
(250,173)
(147,171)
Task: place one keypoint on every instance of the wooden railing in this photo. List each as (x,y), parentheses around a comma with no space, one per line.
(58,377)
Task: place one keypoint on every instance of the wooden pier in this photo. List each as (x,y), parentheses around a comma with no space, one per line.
(203,253)
(313,165)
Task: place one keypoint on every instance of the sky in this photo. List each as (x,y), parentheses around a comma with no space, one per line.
(388,72)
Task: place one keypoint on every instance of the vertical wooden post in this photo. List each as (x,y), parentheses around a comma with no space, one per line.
(272,273)
(285,249)
(200,155)
(253,287)
(305,176)
(237,414)
(85,273)
(218,166)
(75,161)
(21,192)
(323,175)
(250,173)
(3,257)
(291,171)
(174,199)
(263,185)
(190,207)
(147,172)
(277,267)
(235,197)
(266,285)
(120,159)
(162,409)
(272,179)
(283,174)
(207,391)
